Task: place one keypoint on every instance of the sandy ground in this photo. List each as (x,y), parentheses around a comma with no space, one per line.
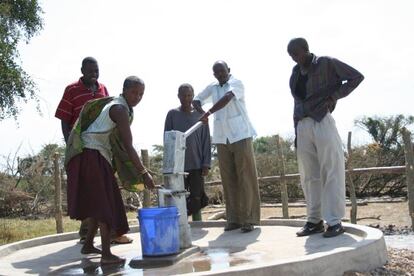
(400,262)
(388,213)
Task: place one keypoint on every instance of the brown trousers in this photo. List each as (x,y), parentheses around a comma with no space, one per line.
(239,179)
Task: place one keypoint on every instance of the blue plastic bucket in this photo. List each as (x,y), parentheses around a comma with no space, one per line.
(159,229)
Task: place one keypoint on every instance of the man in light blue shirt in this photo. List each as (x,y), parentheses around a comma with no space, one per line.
(233,134)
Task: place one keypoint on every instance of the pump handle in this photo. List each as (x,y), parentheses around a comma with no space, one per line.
(192,129)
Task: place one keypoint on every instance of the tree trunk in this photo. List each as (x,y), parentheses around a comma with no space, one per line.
(146,163)
(283,185)
(351,182)
(58,194)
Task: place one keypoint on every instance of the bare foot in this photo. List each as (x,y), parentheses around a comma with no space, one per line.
(111,259)
(90,250)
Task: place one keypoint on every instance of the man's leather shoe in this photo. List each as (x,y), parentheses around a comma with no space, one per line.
(232,226)
(311,228)
(334,230)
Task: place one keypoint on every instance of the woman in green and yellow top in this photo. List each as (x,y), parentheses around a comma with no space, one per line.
(92,188)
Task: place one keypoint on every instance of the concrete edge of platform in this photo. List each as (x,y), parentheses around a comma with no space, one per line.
(12,247)
(367,254)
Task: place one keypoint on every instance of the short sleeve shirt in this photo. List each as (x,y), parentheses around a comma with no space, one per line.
(231,123)
(74,98)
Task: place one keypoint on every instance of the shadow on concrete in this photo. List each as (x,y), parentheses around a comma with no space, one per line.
(317,243)
(67,255)
(234,240)
(198,233)
(90,266)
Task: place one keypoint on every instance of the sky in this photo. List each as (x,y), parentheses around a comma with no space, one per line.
(167,43)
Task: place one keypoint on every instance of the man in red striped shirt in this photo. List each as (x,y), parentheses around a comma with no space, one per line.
(74,98)
(78,93)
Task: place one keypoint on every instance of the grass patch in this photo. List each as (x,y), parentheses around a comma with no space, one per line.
(131,215)
(12,230)
(15,229)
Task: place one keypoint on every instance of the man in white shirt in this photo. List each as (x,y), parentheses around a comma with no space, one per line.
(233,134)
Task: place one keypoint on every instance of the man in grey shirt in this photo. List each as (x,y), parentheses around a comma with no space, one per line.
(316,84)
(198,149)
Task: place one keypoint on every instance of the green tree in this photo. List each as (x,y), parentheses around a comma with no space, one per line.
(268,164)
(387,149)
(19,20)
(386,130)
(31,190)
(156,164)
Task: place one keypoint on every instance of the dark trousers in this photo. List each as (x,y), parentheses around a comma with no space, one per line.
(194,183)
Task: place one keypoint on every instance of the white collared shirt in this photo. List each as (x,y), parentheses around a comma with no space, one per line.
(231,122)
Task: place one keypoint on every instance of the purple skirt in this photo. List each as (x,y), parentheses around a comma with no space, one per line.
(93,191)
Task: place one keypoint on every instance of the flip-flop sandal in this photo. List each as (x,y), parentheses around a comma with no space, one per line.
(121,240)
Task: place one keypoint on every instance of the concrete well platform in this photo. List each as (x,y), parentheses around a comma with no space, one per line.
(271,249)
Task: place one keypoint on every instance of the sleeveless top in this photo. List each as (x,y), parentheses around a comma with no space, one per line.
(96,136)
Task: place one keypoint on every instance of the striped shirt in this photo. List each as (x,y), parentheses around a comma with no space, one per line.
(74,98)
